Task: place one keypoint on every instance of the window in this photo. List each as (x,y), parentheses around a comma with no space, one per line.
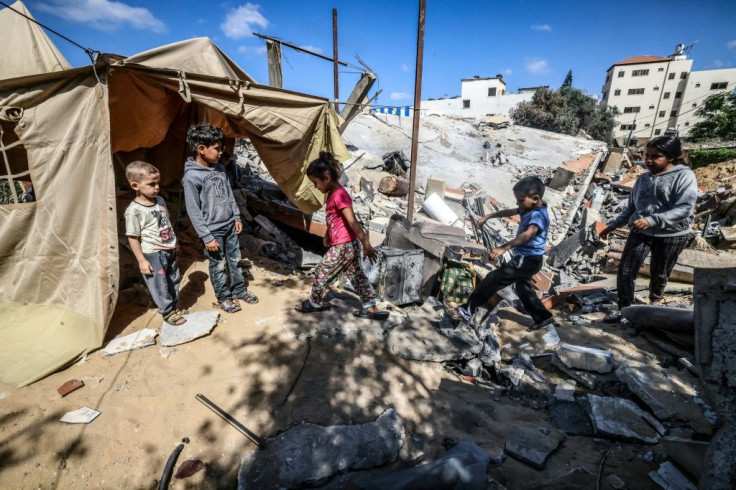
(621,74)
(662,113)
(639,73)
(695,104)
(605,95)
(651,106)
(466,103)
(718,85)
(673,114)
(608,77)
(647,125)
(636,91)
(502,92)
(661,68)
(491,91)
(617,91)
(671,76)
(678,95)
(627,127)
(657,132)
(15,177)
(629,110)
(683,75)
(697,85)
(687,124)
(666,95)
(656,88)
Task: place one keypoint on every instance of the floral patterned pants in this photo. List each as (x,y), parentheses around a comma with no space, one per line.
(342,258)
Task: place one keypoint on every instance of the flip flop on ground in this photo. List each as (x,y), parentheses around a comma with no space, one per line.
(175,318)
(307,307)
(369,315)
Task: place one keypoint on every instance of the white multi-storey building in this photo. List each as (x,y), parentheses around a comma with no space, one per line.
(480,96)
(654,94)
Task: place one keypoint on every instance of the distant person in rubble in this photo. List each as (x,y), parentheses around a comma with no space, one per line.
(659,214)
(152,240)
(215,215)
(528,250)
(344,237)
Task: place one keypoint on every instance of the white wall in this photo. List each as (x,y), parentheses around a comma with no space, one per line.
(479,107)
(698,89)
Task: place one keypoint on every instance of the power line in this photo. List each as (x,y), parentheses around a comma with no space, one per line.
(90,52)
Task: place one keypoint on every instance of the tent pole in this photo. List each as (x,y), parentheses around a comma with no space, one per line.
(417,104)
(334,59)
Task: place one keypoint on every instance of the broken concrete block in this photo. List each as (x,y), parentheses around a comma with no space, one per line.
(562,252)
(586,358)
(669,477)
(582,377)
(138,340)
(70,386)
(309,454)
(83,415)
(197,325)
(463,466)
(651,387)
(616,482)
(561,178)
(622,419)
(570,415)
(532,446)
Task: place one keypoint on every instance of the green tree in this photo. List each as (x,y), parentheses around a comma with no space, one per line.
(568,80)
(719,118)
(566,111)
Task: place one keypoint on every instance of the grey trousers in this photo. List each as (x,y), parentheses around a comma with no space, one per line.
(164,282)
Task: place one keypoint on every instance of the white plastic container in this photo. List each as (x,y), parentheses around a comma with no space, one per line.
(437,209)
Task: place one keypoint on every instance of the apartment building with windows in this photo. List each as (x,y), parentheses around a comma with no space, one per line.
(479,96)
(654,93)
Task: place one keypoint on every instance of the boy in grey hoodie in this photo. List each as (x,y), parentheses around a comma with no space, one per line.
(659,214)
(214,214)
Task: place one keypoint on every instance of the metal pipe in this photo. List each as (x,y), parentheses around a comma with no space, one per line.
(230,420)
(298,48)
(334,59)
(417,104)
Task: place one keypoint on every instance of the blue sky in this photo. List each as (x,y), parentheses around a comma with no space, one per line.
(530,42)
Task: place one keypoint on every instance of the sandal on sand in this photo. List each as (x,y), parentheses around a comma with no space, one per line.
(363,313)
(307,307)
(248,297)
(228,306)
(175,318)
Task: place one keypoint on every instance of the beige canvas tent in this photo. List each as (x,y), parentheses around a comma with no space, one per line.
(69,132)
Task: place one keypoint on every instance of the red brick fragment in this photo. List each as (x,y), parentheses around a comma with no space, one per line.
(69,386)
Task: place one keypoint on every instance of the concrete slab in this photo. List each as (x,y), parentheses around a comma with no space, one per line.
(137,340)
(586,358)
(83,415)
(620,418)
(198,325)
(533,446)
(651,387)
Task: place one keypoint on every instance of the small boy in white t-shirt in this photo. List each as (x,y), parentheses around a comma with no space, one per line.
(152,239)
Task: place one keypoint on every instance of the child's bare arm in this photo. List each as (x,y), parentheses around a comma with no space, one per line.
(368,249)
(143,264)
(520,239)
(502,213)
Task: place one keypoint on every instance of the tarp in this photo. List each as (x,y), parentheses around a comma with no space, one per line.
(26,50)
(59,255)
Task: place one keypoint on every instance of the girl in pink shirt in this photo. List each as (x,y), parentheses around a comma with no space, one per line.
(344,234)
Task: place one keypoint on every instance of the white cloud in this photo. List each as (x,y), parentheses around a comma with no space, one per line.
(542,27)
(105,15)
(405,68)
(720,64)
(240,21)
(400,96)
(508,71)
(536,65)
(731,44)
(313,49)
(252,49)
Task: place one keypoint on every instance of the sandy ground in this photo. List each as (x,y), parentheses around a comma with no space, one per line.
(716,175)
(247,366)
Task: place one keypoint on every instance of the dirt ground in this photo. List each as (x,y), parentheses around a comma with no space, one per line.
(248,365)
(716,175)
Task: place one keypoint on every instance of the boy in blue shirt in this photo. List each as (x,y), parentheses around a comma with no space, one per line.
(528,254)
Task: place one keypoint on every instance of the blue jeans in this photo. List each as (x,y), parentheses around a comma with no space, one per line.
(164,282)
(228,256)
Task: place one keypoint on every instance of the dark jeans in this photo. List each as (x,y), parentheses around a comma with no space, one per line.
(164,282)
(228,256)
(519,272)
(665,251)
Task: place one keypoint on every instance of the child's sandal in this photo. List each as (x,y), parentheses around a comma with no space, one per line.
(306,307)
(175,318)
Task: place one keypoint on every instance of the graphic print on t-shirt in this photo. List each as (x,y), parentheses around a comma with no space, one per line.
(165,232)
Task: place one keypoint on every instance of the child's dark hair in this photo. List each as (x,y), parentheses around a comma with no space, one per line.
(204,134)
(530,186)
(325,163)
(669,145)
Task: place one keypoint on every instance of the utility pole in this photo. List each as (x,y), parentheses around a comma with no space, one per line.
(417,104)
(334,58)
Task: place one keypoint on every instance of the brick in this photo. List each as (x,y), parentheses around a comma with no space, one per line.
(69,386)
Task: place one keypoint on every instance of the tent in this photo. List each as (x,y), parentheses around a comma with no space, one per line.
(69,131)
